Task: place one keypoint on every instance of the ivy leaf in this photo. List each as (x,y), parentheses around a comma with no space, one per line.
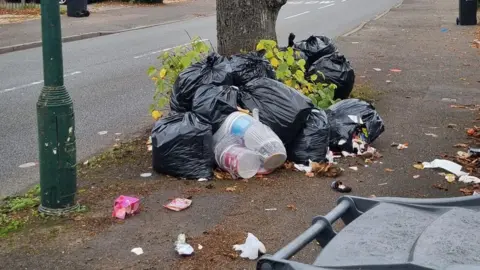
(290,50)
(313,78)
(301,62)
(162,102)
(283,67)
(260,46)
(269,55)
(151,71)
(186,61)
(274,62)
(290,60)
(300,74)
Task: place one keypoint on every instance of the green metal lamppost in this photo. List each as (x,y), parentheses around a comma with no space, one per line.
(56,125)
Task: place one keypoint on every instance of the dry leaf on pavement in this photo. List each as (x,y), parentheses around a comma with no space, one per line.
(231,189)
(389,170)
(292,207)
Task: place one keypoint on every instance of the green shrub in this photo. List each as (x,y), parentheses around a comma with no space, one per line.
(172,63)
(290,69)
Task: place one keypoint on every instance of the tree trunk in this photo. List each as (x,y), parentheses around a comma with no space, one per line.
(242,23)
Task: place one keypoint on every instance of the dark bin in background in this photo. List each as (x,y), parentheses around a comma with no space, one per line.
(77,8)
(467,12)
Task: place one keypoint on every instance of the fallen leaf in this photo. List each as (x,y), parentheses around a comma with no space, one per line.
(389,170)
(310,174)
(450,178)
(418,166)
(402,146)
(156,115)
(231,189)
(292,207)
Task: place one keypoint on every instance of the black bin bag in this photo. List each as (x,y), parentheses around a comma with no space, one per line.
(253,65)
(214,69)
(313,47)
(182,147)
(313,140)
(212,104)
(344,118)
(337,70)
(280,107)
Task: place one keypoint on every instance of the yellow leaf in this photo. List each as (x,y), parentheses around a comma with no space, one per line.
(288,82)
(162,73)
(260,46)
(274,62)
(418,166)
(156,115)
(269,54)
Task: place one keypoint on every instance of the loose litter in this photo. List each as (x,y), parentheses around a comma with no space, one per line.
(450,177)
(340,187)
(271,209)
(181,246)
(389,170)
(200,247)
(395,70)
(202,179)
(449,100)
(446,165)
(402,146)
(377,69)
(432,135)
(125,205)
(101,133)
(418,166)
(28,165)
(146,174)
(416,176)
(382,184)
(231,189)
(469,179)
(355,168)
(137,251)
(251,248)
(178,204)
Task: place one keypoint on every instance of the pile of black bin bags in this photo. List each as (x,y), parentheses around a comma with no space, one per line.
(208,91)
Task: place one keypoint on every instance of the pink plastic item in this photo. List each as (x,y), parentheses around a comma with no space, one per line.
(178,204)
(125,205)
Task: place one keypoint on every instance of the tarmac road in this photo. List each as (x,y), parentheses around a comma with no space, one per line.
(107,80)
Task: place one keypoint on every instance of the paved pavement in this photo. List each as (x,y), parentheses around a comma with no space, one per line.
(106,79)
(435,64)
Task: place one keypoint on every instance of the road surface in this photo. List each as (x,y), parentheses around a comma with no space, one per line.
(106,78)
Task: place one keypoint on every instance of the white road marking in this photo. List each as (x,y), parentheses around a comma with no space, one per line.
(164,50)
(293,16)
(326,6)
(34,83)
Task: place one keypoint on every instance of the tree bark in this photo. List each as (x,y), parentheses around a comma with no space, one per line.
(242,23)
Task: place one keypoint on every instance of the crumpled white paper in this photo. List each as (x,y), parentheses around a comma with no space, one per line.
(137,251)
(446,165)
(469,179)
(251,248)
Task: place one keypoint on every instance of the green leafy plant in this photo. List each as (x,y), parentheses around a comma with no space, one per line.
(10,219)
(290,69)
(172,63)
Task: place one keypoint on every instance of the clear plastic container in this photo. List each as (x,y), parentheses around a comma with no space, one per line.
(234,158)
(255,136)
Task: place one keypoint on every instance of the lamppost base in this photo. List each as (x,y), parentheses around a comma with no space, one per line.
(58,212)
